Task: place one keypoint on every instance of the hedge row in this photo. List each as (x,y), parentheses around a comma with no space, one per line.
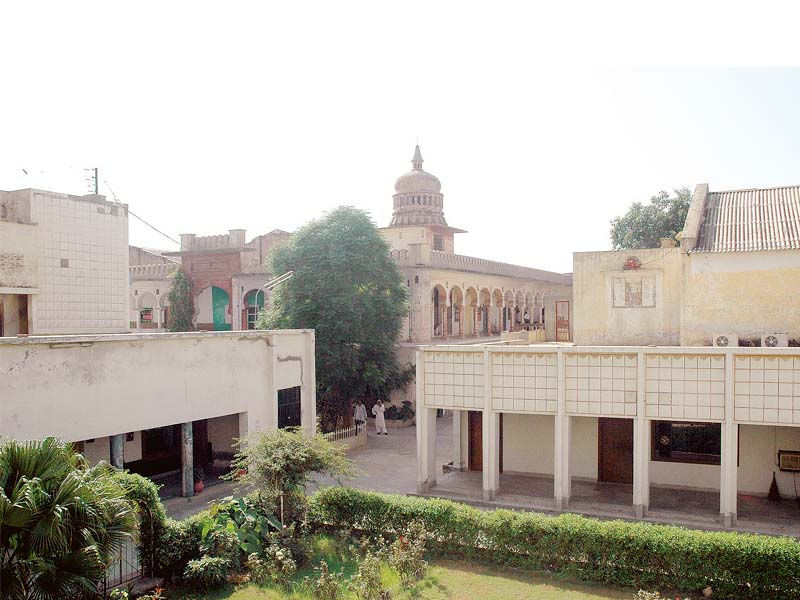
(641,555)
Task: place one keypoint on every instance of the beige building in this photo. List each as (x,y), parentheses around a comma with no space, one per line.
(461,299)
(643,416)
(734,275)
(63,264)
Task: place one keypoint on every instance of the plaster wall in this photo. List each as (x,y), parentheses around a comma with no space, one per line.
(19,256)
(400,238)
(599,320)
(744,293)
(222,433)
(81,387)
(528,443)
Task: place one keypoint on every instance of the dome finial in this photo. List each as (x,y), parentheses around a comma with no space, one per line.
(416,162)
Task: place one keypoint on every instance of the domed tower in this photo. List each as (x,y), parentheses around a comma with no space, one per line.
(419,203)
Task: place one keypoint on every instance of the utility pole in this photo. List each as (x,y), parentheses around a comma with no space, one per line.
(95,182)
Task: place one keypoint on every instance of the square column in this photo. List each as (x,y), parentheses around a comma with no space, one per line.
(562,476)
(187,460)
(426,448)
(729,444)
(641,466)
(458,457)
(426,433)
(117,450)
(491,454)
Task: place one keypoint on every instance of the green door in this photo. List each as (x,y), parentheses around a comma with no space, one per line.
(219,304)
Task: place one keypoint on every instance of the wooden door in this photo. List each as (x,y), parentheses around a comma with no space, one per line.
(615,450)
(475,441)
(562,321)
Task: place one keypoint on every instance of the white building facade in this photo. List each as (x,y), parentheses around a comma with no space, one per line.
(119,397)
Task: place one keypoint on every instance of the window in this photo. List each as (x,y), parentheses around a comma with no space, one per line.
(289,407)
(146,315)
(686,442)
(437,243)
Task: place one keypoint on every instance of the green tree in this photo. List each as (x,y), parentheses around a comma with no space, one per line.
(181,303)
(347,288)
(279,464)
(60,520)
(644,225)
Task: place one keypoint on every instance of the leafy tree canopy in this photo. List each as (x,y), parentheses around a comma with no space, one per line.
(181,303)
(279,464)
(644,225)
(60,520)
(348,289)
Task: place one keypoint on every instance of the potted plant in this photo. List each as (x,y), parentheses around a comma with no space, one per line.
(199,477)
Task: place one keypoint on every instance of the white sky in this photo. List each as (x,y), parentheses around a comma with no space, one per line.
(542,122)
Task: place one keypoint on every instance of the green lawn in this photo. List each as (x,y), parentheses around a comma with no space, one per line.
(453,581)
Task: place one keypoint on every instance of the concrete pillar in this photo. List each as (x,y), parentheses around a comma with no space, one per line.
(458,459)
(641,466)
(426,433)
(641,444)
(187,460)
(117,449)
(426,448)
(562,476)
(729,451)
(491,454)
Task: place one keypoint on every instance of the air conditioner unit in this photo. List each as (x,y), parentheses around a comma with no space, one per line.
(774,340)
(723,340)
(789,460)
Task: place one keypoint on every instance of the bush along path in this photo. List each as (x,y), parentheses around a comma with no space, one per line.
(639,555)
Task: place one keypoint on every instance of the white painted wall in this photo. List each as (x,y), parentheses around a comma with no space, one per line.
(528,443)
(80,387)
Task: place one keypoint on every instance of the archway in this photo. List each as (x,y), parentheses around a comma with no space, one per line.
(508,303)
(147,311)
(455,316)
(519,302)
(497,311)
(470,318)
(252,305)
(439,310)
(213,309)
(483,315)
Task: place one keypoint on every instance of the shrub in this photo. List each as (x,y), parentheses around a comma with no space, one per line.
(407,552)
(643,555)
(367,583)
(178,543)
(206,573)
(325,585)
(280,564)
(222,543)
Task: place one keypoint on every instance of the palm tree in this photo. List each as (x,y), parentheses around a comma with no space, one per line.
(60,520)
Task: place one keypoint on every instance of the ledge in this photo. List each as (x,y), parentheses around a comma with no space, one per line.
(138,336)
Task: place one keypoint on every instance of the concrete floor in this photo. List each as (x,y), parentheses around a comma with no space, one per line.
(388,464)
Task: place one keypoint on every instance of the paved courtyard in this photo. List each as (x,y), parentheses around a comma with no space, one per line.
(388,464)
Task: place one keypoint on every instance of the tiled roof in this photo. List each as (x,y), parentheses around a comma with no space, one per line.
(751,220)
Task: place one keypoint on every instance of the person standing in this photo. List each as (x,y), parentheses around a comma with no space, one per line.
(380,422)
(526,319)
(360,415)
